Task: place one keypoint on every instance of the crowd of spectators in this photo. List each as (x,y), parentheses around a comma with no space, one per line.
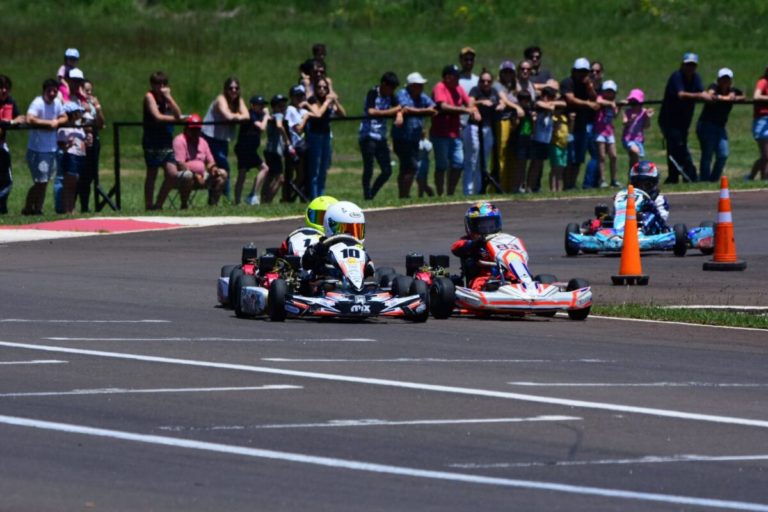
(497,129)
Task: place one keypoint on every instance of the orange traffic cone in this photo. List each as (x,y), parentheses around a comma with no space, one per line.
(725,244)
(630,269)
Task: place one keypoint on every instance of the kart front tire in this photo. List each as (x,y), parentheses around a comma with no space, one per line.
(278,291)
(401,286)
(236,272)
(545,278)
(571,249)
(420,288)
(226,270)
(384,276)
(238,303)
(442,297)
(576,284)
(681,239)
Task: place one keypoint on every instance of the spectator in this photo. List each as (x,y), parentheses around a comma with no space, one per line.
(710,129)
(313,70)
(445,134)
(539,76)
(227,106)
(380,103)
(760,127)
(407,138)
(267,183)
(478,134)
(604,133)
(319,53)
(591,178)
(683,89)
(596,73)
(636,119)
(93,118)
(523,142)
(467,79)
(197,165)
(542,134)
(160,109)
(524,82)
(296,115)
(558,148)
(71,141)
(580,96)
(425,148)
(247,147)
(323,105)
(45,114)
(71,58)
(72,91)
(506,87)
(9,116)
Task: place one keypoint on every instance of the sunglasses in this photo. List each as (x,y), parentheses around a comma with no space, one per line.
(233,88)
(597,70)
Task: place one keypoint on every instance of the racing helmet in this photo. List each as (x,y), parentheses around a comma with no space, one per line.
(345,218)
(645,176)
(316,211)
(482,218)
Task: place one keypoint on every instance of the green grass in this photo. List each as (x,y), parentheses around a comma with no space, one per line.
(694,316)
(199,43)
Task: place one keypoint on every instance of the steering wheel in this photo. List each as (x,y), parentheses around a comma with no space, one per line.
(340,238)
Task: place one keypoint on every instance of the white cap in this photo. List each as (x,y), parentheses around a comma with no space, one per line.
(72,53)
(581,63)
(610,85)
(76,73)
(725,72)
(416,78)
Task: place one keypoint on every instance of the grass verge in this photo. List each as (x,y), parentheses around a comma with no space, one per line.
(726,318)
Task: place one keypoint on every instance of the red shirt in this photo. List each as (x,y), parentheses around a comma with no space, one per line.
(448,124)
(761,108)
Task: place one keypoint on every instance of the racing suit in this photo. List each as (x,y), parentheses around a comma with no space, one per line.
(316,255)
(471,251)
(658,206)
(299,241)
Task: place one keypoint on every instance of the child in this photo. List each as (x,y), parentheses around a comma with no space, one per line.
(644,176)
(636,119)
(269,180)
(523,144)
(71,141)
(247,147)
(558,147)
(296,115)
(542,134)
(604,135)
(71,58)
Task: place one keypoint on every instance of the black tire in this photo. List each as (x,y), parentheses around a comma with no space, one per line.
(575,284)
(442,297)
(681,239)
(545,278)
(384,276)
(278,291)
(238,303)
(233,275)
(708,251)
(401,286)
(570,248)
(420,288)
(226,270)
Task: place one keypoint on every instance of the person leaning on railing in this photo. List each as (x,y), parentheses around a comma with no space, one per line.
(10,114)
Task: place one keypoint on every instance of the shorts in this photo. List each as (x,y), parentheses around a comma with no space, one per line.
(158,157)
(577,148)
(606,139)
(558,157)
(72,165)
(449,153)
(248,159)
(760,128)
(628,145)
(42,165)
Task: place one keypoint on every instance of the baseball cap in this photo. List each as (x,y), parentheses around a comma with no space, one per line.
(690,58)
(637,95)
(76,74)
(194,120)
(258,100)
(297,89)
(72,106)
(450,69)
(72,53)
(415,78)
(507,64)
(581,63)
(725,72)
(466,50)
(610,85)
(277,98)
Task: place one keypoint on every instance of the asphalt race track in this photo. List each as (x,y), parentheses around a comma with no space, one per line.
(124,387)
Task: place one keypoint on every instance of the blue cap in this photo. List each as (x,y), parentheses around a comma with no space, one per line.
(689,58)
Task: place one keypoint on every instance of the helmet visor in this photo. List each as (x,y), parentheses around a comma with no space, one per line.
(316,216)
(353,229)
(485,225)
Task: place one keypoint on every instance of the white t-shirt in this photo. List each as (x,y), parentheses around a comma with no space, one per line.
(44,141)
(74,139)
(294,116)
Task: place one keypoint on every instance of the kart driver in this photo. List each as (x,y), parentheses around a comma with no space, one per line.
(481,220)
(644,175)
(299,240)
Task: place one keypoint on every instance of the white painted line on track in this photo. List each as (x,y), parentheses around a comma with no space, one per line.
(602,406)
(668,322)
(648,459)
(640,384)
(66,321)
(34,361)
(373,423)
(124,391)
(183,338)
(430,360)
(381,469)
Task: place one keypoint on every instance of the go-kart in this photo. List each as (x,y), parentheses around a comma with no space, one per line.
(344,290)
(511,290)
(605,233)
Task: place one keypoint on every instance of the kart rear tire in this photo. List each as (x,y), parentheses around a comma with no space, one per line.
(681,240)
(245,280)
(575,284)
(420,288)
(708,251)
(384,276)
(278,291)
(570,248)
(545,278)
(401,286)
(226,270)
(233,275)
(442,297)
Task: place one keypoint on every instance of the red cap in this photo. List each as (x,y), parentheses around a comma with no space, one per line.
(195,121)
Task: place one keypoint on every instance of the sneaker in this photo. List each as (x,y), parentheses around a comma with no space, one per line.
(603,184)
(253,199)
(616,184)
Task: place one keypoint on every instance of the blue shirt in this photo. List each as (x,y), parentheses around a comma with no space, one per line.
(376,127)
(412,125)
